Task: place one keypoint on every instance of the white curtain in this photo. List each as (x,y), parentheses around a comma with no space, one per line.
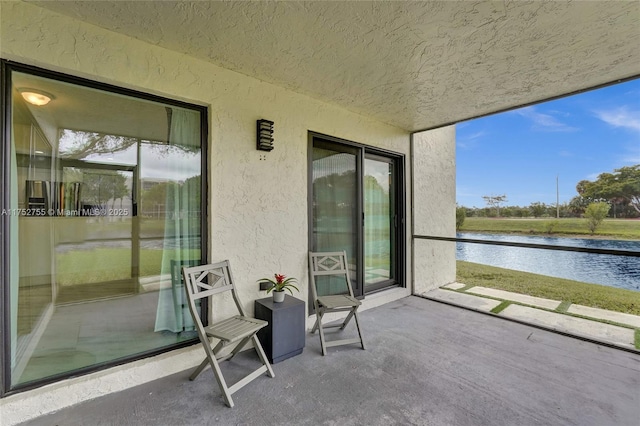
(181,225)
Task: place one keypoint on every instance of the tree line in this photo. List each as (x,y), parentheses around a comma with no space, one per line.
(620,190)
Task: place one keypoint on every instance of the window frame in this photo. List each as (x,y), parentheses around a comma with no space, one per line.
(7,67)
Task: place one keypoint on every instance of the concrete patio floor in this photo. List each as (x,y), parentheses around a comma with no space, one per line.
(426,363)
(599,325)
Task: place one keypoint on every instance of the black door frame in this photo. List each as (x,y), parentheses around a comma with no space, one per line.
(362,151)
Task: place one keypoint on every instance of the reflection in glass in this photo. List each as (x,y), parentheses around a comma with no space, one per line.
(105,196)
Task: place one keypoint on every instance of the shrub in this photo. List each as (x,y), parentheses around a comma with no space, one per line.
(550,226)
(595,214)
(461,214)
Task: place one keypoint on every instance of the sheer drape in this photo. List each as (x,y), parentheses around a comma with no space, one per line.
(377,229)
(182,223)
(335,204)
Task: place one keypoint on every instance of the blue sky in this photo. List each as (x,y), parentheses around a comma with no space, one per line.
(521,152)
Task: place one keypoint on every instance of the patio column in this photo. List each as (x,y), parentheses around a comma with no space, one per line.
(434,204)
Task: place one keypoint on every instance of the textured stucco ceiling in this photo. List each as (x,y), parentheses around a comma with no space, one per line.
(415,65)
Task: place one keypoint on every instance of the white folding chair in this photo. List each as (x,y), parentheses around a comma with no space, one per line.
(207,281)
(328,297)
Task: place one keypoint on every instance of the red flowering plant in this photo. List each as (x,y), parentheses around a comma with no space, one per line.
(281,283)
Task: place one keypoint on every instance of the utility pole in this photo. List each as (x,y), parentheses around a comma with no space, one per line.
(557,198)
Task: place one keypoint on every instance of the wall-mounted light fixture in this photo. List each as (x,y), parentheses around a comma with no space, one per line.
(36,97)
(265,135)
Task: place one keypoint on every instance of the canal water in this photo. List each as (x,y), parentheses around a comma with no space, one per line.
(610,270)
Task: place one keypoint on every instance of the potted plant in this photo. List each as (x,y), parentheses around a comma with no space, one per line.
(279,284)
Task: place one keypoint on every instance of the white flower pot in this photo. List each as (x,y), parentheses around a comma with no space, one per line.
(278,296)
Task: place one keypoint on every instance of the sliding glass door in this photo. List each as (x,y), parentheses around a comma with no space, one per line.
(97,190)
(380,218)
(356,206)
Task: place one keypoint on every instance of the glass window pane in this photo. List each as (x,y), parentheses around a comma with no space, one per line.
(105,207)
(335,209)
(378,213)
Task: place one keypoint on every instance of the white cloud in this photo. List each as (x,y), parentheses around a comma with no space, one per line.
(469,141)
(475,135)
(545,122)
(621,117)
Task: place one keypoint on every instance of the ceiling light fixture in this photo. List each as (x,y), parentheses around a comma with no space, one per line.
(36,97)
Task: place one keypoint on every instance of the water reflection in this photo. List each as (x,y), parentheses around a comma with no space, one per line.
(610,270)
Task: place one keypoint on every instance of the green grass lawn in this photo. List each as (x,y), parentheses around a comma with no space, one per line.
(108,264)
(628,229)
(568,291)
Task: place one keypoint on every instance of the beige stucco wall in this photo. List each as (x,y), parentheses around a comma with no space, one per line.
(434,204)
(258,212)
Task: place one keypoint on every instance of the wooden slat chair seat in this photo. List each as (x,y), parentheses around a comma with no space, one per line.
(207,281)
(338,301)
(332,264)
(235,328)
